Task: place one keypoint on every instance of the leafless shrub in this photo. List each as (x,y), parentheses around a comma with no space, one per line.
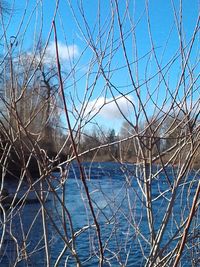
(143,208)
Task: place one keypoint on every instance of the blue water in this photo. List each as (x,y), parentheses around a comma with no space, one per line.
(120,210)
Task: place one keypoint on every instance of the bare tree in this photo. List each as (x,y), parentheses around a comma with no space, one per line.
(141,209)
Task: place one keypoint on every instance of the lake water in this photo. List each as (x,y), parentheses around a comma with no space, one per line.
(120,209)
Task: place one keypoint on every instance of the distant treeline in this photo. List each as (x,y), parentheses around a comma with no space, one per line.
(155,142)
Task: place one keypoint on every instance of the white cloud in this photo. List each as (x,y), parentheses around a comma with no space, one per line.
(66,52)
(49,55)
(109,109)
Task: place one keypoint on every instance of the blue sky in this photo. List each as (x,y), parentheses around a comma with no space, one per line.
(71,42)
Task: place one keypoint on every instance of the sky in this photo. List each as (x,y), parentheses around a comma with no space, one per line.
(89,94)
